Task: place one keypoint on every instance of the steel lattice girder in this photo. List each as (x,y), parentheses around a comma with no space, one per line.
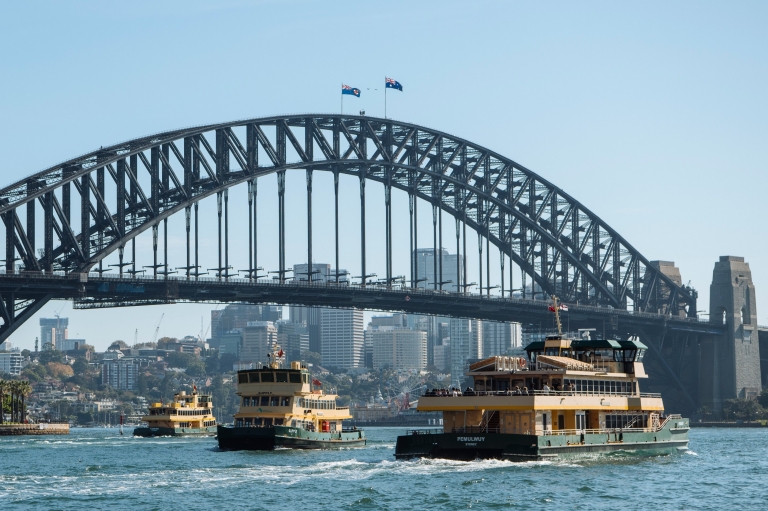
(567,249)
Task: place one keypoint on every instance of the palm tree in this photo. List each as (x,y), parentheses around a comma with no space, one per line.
(14,388)
(25,389)
(3,389)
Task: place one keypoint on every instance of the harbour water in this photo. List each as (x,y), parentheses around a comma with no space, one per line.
(98,469)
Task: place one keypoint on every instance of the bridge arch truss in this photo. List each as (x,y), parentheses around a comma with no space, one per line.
(128,188)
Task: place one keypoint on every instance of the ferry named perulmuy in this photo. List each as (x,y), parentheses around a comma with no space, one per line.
(569,397)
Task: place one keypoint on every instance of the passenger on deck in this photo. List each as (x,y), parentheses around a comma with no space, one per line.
(545,388)
(516,392)
(525,391)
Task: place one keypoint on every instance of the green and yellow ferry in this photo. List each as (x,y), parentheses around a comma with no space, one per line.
(186,415)
(568,397)
(280,408)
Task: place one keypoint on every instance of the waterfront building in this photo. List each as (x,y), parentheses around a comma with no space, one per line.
(341,338)
(53,331)
(11,362)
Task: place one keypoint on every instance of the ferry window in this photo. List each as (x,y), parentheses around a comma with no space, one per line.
(640,354)
(274,401)
(247,422)
(246,401)
(629,355)
(264,400)
(618,356)
(267,377)
(601,385)
(278,422)
(305,378)
(293,423)
(257,422)
(242,378)
(254,377)
(267,422)
(295,378)
(285,401)
(282,377)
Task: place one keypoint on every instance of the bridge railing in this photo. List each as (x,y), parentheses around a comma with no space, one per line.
(372,287)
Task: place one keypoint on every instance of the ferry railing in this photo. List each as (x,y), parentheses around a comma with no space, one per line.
(476,429)
(410,432)
(505,393)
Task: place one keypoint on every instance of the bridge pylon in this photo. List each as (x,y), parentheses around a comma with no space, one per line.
(730,363)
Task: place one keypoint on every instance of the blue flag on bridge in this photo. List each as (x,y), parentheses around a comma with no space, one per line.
(352,91)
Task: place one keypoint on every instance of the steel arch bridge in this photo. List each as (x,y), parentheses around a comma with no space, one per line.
(125,189)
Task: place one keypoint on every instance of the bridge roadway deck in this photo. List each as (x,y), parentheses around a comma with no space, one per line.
(93,291)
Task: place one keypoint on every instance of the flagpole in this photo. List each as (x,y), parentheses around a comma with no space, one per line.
(385,97)
(342,100)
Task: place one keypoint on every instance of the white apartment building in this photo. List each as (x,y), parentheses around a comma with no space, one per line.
(120,374)
(341,338)
(11,363)
(401,349)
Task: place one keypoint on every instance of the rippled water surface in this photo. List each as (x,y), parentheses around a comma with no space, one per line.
(98,469)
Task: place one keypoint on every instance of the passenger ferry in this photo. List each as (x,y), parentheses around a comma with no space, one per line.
(281,408)
(187,415)
(567,398)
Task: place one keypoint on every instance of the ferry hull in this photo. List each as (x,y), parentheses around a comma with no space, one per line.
(150,432)
(266,439)
(513,447)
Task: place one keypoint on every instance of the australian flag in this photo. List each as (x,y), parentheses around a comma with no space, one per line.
(352,91)
(393,84)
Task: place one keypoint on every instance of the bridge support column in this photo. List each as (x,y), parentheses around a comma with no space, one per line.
(735,359)
(362,227)
(281,223)
(310,271)
(336,219)
(388,207)
(219,197)
(434,245)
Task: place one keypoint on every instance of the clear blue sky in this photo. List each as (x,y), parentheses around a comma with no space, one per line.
(652,114)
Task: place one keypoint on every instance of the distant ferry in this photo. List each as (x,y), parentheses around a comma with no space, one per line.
(570,397)
(187,415)
(279,408)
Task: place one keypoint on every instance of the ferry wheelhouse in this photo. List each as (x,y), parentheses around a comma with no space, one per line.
(568,397)
(186,415)
(282,408)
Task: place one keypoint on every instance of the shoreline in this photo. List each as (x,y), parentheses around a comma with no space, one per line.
(34,429)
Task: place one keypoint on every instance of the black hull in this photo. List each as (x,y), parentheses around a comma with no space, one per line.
(514,447)
(266,439)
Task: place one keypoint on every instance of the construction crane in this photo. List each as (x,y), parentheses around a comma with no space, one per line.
(157,328)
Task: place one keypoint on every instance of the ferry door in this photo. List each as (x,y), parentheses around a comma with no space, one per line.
(581,421)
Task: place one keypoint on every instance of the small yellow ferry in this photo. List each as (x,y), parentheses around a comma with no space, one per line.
(283,408)
(186,415)
(569,397)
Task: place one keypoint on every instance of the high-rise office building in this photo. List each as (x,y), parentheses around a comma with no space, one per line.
(237,316)
(499,338)
(466,345)
(11,362)
(52,331)
(293,338)
(258,339)
(310,316)
(399,348)
(341,338)
(446,262)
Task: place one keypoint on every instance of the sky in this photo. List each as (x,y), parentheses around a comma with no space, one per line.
(652,115)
